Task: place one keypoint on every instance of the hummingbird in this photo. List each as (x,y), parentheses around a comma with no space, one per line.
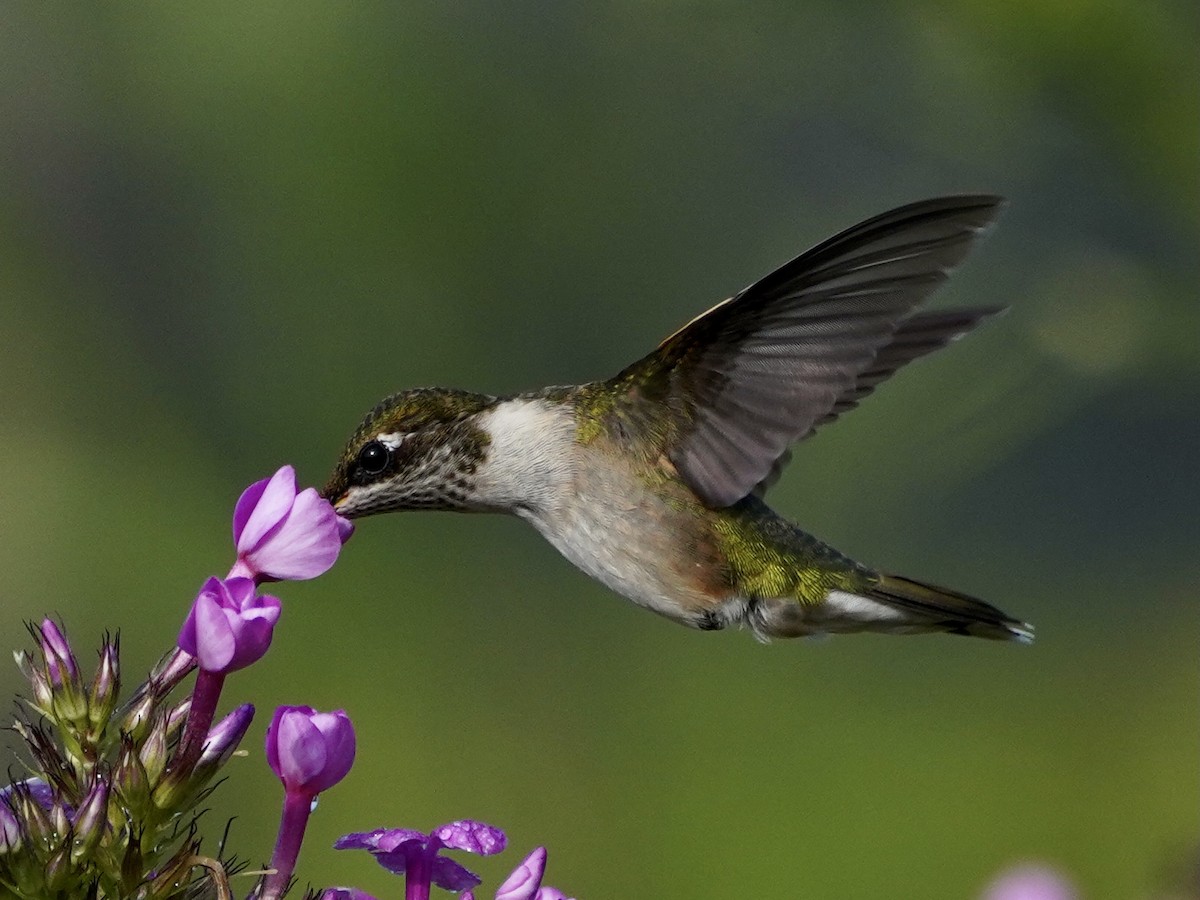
(652,481)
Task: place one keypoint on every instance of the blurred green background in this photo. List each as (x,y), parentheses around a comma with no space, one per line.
(226,231)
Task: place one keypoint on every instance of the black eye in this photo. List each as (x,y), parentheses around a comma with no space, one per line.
(374,458)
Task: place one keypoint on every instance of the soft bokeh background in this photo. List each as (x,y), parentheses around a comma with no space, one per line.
(226,231)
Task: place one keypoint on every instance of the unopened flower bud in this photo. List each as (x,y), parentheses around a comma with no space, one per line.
(60,822)
(129,777)
(90,821)
(137,719)
(10,829)
(171,670)
(525,879)
(60,661)
(43,694)
(153,752)
(58,872)
(177,716)
(308,750)
(33,802)
(102,699)
(225,736)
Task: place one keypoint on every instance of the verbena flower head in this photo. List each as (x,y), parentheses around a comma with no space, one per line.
(229,626)
(308,750)
(282,534)
(415,854)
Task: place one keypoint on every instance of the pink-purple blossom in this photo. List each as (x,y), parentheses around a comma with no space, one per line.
(416,855)
(282,533)
(308,750)
(229,625)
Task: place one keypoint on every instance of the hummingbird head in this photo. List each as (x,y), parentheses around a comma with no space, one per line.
(418,449)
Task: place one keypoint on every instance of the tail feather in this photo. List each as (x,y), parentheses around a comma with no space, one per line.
(948,610)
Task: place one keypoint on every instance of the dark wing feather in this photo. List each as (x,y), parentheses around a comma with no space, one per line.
(916,336)
(761,370)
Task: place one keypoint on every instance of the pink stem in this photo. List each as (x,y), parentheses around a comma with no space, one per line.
(296,808)
(205,695)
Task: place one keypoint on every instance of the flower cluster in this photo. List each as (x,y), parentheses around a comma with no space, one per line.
(110,809)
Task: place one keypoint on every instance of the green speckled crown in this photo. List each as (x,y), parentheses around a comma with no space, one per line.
(438,446)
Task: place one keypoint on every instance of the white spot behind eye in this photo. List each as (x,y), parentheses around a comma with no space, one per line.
(394,440)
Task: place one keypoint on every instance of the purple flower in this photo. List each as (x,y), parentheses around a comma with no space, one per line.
(308,750)
(27,795)
(344,893)
(282,534)
(1030,882)
(415,854)
(229,625)
(40,792)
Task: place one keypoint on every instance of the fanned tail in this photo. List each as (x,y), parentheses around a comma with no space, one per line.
(934,608)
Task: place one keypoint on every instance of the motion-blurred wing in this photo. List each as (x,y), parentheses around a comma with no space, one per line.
(807,342)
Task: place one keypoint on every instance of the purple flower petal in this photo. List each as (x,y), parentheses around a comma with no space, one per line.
(381,840)
(302,750)
(550,893)
(340,747)
(213,639)
(450,876)
(245,506)
(525,879)
(271,507)
(39,790)
(472,836)
(306,544)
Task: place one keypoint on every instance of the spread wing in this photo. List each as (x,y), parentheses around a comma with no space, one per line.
(802,345)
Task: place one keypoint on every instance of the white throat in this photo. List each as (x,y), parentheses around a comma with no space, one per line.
(529,465)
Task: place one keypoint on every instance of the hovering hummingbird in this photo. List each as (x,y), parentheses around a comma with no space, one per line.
(651,482)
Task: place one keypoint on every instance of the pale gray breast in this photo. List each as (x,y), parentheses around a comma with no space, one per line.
(627,535)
